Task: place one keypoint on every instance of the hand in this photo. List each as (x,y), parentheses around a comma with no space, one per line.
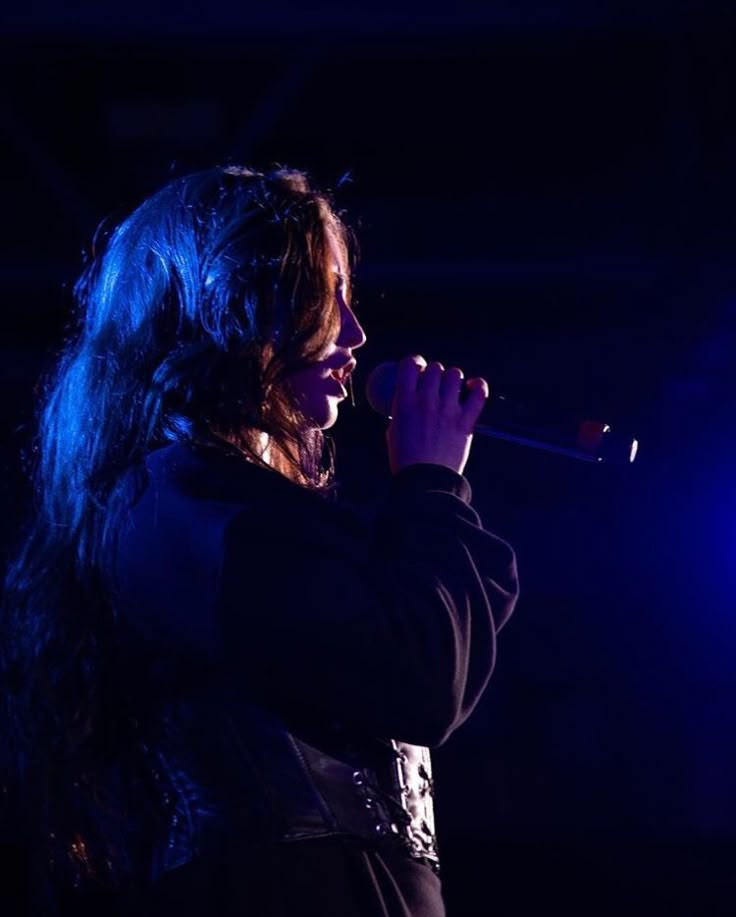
(428,422)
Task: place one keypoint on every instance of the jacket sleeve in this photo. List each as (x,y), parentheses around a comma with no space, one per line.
(388,627)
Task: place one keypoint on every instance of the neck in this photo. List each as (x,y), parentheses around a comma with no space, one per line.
(263,447)
(260,443)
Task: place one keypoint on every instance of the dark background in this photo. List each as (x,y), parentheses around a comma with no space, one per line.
(544,194)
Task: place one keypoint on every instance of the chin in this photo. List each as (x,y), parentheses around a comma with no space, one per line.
(327,420)
(322,416)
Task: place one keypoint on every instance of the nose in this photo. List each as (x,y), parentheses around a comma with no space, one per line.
(351,334)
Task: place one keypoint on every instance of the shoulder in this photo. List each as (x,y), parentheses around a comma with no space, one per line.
(202,474)
(194,482)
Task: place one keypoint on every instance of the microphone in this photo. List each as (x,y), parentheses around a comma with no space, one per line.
(586,440)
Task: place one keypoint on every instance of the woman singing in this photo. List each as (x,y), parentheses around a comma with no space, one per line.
(222,680)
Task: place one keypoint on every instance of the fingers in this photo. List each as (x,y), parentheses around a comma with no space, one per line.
(407,377)
(478,394)
(432,419)
(430,381)
(435,385)
(451,385)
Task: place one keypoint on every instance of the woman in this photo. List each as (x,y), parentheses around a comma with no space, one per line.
(222,680)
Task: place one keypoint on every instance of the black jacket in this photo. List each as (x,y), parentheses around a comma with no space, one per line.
(296,651)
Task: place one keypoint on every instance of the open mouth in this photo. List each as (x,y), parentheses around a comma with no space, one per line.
(343,373)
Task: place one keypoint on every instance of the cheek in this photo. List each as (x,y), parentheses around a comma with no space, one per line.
(306,382)
(315,397)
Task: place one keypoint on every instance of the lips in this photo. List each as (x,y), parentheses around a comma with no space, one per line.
(343,373)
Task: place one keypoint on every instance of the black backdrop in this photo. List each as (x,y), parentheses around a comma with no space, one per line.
(544,194)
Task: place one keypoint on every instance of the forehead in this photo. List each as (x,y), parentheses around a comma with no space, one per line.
(338,252)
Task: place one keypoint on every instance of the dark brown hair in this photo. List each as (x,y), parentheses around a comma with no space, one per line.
(193,313)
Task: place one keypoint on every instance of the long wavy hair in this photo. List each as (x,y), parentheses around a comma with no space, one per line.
(193,311)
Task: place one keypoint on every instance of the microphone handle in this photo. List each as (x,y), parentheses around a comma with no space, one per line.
(491,433)
(586,440)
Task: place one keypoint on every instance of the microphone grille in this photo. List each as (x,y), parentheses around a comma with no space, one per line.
(380,387)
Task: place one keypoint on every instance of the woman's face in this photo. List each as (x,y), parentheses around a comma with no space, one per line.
(320,388)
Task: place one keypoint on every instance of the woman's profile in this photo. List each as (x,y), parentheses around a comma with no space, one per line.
(223,682)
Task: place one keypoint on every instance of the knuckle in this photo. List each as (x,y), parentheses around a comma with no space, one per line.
(409,367)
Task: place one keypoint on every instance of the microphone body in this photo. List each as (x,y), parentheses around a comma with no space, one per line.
(585,440)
